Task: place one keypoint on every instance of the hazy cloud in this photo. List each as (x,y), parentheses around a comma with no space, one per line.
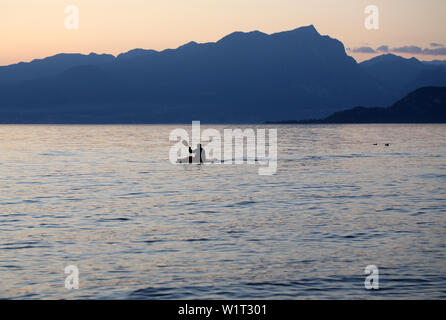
(383,49)
(364,50)
(408,49)
(436,49)
(435,52)
(439,51)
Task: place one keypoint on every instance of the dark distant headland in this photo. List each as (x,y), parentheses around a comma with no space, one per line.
(242,78)
(425,105)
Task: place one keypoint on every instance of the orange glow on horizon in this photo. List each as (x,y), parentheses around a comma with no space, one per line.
(31,29)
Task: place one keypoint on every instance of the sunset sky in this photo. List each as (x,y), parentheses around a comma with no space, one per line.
(35,29)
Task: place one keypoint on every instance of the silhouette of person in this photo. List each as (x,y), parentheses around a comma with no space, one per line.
(200,154)
(195,156)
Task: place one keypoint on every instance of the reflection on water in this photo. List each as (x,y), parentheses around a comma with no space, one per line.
(106,199)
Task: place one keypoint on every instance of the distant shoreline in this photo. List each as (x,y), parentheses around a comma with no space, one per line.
(424,105)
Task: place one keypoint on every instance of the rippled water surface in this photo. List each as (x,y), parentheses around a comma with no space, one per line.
(106,199)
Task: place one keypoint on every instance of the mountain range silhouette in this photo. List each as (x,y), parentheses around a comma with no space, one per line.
(244,77)
(424,105)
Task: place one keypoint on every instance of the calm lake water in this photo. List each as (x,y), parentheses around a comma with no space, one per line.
(107,200)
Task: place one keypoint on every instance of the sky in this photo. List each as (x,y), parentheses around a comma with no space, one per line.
(32,29)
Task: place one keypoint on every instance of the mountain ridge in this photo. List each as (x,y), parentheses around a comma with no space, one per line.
(424,105)
(243,77)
